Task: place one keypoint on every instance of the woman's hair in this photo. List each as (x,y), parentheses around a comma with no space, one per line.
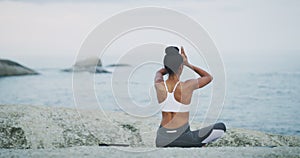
(172,59)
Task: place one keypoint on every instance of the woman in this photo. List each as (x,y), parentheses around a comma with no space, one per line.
(175,96)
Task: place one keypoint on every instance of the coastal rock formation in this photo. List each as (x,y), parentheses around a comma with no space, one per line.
(88,62)
(117,65)
(93,65)
(248,138)
(11,68)
(35,127)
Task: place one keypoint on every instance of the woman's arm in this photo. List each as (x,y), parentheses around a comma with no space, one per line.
(204,79)
(159,75)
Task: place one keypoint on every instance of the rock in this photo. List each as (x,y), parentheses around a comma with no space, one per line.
(92,65)
(35,127)
(87,69)
(129,152)
(249,138)
(11,68)
(12,136)
(38,127)
(117,65)
(88,62)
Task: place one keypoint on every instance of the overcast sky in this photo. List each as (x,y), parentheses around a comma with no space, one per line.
(33,30)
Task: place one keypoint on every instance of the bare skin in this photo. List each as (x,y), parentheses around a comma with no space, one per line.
(183,92)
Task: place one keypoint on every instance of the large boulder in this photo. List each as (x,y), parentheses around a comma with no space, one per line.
(53,127)
(237,137)
(11,68)
(35,127)
(93,65)
(88,62)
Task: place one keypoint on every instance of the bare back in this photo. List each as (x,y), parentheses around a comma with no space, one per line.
(182,94)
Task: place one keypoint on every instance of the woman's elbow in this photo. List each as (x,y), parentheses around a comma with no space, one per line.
(210,78)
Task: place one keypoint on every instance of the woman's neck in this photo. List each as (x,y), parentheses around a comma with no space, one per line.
(173,77)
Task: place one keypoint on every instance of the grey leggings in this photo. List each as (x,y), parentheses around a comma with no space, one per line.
(184,137)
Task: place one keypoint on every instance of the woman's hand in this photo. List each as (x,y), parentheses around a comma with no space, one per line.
(185,59)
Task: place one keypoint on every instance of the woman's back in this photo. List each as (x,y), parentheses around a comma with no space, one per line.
(171,95)
(174,97)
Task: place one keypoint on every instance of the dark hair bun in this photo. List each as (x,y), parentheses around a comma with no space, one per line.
(172,50)
(172,59)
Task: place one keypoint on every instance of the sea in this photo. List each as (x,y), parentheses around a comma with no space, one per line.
(262,92)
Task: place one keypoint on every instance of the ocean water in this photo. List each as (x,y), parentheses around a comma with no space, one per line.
(260,94)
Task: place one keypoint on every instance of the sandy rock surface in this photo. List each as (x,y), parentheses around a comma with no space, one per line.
(40,127)
(213,152)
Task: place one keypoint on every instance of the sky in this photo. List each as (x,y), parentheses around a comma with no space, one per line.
(39,33)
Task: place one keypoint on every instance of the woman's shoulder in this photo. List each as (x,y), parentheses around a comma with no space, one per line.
(189,84)
(160,83)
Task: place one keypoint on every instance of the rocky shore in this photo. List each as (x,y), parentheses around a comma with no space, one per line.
(45,129)
(112,152)
(11,68)
(92,65)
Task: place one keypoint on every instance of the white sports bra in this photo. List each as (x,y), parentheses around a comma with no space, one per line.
(170,104)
